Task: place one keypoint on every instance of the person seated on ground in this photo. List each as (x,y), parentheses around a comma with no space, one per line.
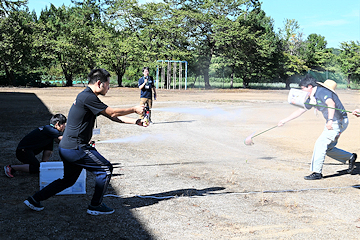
(39,140)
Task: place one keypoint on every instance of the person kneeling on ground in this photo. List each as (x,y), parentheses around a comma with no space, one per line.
(75,150)
(324,98)
(39,140)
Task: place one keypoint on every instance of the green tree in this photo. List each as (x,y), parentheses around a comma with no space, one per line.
(350,60)
(201,17)
(314,51)
(146,33)
(7,6)
(16,44)
(248,45)
(121,45)
(292,61)
(67,39)
(117,50)
(330,60)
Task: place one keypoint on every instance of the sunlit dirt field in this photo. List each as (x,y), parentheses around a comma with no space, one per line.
(189,175)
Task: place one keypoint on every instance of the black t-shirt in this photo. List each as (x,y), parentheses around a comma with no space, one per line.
(39,138)
(81,119)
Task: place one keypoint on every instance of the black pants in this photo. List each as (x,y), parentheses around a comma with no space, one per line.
(74,161)
(27,156)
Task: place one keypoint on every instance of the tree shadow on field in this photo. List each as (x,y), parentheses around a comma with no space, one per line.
(147,200)
(20,114)
(64,216)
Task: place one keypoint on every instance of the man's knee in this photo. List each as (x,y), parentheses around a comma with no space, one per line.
(68,182)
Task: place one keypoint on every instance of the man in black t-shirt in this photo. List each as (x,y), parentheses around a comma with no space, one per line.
(75,150)
(39,140)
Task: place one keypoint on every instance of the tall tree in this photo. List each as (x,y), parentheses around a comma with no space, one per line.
(146,33)
(67,39)
(117,50)
(314,51)
(248,45)
(6,6)
(350,60)
(16,44)
(121,45)
(201,17)
(292,62)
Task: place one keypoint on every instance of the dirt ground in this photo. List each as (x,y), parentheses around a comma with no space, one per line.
(189,175)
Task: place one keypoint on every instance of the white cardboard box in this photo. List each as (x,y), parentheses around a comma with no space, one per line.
(50,171)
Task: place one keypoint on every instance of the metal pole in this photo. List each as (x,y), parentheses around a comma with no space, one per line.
(185,74)
(157,76)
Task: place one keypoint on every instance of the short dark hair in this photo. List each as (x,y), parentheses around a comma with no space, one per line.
(146,68)
(98,74)
(58,118)
(308,80)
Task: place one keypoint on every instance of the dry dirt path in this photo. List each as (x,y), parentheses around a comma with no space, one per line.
(194,152)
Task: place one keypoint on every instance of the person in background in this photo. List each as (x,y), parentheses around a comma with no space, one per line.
(323,95)
(40,140)
(146,86)
(75,149)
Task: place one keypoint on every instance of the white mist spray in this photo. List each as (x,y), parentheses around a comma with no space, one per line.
(135,139)
(215,112)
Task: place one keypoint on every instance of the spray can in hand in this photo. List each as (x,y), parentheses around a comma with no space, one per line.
(147,114)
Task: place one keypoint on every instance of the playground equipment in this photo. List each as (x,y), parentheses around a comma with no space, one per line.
(166,65)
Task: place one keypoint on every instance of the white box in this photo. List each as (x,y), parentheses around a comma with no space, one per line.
(50,171)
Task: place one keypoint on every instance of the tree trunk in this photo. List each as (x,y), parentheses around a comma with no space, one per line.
(348,80)
(245,83)
(119,79)
(287,83)
(206,79)
(120,73)
(69,79)
(206,70)
(68,76)
(231,79)
(9,74)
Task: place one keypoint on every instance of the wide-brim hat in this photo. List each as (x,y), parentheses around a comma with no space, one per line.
(329,84)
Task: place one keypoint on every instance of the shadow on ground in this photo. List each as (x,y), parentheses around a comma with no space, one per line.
(64,217)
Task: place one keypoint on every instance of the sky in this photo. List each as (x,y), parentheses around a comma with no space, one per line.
(337,21)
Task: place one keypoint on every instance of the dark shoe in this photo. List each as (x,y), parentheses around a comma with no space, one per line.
(98,210)
(34,205)
(8,171)
(352,163)
(313,176)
